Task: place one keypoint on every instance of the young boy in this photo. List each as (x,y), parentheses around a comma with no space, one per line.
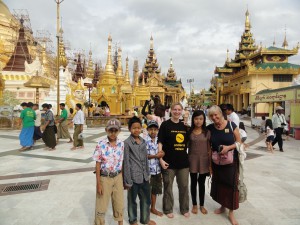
(136,173)
(108,155)
(154,166)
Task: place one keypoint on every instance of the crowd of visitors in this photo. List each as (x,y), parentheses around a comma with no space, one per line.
(51,130)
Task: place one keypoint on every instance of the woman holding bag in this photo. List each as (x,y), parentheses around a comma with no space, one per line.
(224,187)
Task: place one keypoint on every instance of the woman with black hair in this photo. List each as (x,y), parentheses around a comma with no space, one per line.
(199,158)
(159,112)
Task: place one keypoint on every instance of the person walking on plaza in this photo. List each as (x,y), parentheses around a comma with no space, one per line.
(108,155)
(63,128)
(224,186)
(136,174)
(27,116)
(270,135)
(199,158)
(78,121)
(231,115)
(279,123)
(37,123)
(153,158)
(48,128)
(172,140)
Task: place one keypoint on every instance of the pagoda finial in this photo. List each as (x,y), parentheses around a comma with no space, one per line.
(143,80)
(171,63)
(127,79)
(119,71)
(109,66)
(227,57)
(90,52)
(247,21)
(285,43)
(151,42)
(274,43)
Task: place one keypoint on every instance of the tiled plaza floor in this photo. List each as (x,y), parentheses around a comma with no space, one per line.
(273,183)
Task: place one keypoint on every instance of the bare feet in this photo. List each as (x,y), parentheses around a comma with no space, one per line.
(73,148)
(80,147)
(71,141)
(187,215)
(151,222)
(52,149)
(195,209)
(232,219)
(219,210)
(170,215)
(22,149)
(203,210)
(156,212)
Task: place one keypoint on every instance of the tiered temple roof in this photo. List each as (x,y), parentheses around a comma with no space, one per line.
(20,54)
(171,75)
(79,71)
(151,65)
(250,55)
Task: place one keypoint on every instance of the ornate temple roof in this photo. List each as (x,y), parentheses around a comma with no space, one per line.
(260,57)
(20,54)
(79,71)
(171,75)
(151,65)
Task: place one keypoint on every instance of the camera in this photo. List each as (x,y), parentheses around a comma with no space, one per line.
(283,124)
(220,148)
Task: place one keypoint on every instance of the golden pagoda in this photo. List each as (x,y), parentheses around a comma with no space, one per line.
(254,68)
(120,94)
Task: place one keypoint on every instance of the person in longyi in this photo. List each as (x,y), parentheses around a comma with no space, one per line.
(63,128)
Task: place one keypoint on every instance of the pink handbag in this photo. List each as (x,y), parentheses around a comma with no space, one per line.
(222,159)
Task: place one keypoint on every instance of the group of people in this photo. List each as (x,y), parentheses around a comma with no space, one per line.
(274,129)
(33,129)
(147,167)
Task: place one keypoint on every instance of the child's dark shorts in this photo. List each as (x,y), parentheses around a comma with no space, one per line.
(270,138)
(156,184)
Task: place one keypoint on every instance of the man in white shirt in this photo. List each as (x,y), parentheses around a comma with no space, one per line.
(231,115)
(279,123)
(78,121)
(37,123)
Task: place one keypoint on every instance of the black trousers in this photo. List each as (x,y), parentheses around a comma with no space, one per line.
(200,179)
(278,138)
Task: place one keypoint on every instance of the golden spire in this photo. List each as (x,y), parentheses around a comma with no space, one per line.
(151,42)
(143,80)
(227,58)
(274,43)
(90,71)
(247,21)
(127,79)
(285,43)
(62,55)
(119,71)
(171,63)
(109,69)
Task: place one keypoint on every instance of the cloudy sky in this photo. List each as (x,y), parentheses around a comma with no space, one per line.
(195,33)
